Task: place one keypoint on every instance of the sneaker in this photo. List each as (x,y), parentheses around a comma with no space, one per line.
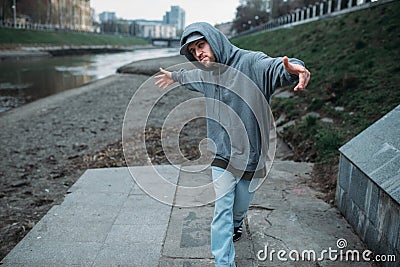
(237,232)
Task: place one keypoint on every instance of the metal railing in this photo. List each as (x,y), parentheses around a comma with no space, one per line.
(42,27)
(324,9)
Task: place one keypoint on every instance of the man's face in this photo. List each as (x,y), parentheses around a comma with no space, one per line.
(202,52)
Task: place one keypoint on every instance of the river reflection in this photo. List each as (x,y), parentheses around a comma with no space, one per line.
(26,80)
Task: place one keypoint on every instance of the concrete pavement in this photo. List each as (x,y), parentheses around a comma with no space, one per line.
(106,220)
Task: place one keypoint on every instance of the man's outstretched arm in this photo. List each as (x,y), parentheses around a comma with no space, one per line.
(191,79)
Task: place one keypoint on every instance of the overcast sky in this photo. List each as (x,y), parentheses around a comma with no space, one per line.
(212,11)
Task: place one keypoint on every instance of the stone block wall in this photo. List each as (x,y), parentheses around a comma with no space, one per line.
(368,188)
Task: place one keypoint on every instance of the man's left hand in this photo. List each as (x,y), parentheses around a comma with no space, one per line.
(298,70)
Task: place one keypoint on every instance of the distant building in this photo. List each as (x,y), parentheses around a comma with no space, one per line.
(83,16)
(167,28)
(66,14)
(152,29)
(175,17)
(107,16)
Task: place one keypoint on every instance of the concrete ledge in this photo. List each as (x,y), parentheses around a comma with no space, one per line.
(368,190)
(376,153)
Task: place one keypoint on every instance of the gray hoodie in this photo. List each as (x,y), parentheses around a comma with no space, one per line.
(237,91)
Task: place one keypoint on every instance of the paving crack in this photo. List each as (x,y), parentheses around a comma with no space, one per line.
(278,239)
(268,221)
(260,207)
(283,195)
(186,258)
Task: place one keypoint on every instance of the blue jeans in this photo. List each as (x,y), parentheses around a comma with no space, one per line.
(232,202)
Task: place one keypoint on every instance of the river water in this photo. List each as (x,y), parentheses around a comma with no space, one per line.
(26,80)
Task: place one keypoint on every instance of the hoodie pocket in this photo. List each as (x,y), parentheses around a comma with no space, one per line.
(240,147)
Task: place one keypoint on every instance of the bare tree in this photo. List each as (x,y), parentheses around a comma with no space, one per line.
(6,9)
(249,14)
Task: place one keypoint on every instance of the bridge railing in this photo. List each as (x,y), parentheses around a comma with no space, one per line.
(160,41)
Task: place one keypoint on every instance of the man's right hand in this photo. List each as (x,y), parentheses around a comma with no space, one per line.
(296,69)
(165,79)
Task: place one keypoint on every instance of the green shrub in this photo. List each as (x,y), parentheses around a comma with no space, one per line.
(327,143)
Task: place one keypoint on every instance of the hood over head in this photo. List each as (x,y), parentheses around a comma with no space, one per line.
(190,39)
(223,49)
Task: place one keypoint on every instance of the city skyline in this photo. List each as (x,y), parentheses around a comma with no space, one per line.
(210,11)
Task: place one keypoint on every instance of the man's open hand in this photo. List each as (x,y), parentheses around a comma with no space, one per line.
(298,70)
(165,79)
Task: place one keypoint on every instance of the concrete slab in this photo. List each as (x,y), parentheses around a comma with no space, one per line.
(52,253)
(105,220)
(157,181)
(196,187)
(115,180)
(135,254)
(188,240)
(140,209)
(188,234)
(109,221)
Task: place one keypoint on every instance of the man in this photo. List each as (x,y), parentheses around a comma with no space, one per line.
(226,75)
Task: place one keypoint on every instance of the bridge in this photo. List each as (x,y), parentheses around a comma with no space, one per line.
(170,42)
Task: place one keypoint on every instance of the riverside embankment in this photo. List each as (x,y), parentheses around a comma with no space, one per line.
(29,43)
(350,59)
(25,78)
(45,144)
(27,51)
(60,136)
(22,43)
